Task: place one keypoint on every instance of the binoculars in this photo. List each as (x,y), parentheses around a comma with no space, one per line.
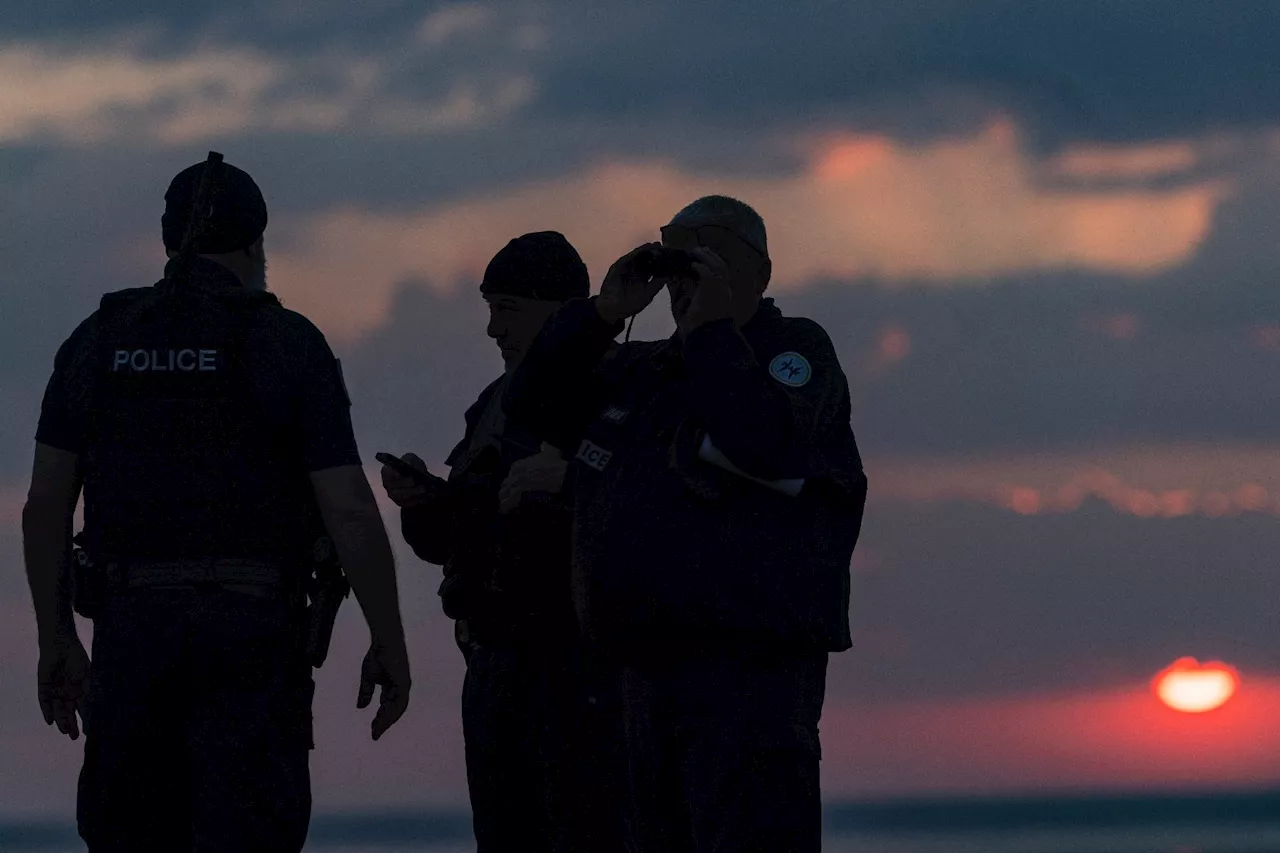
(665,262)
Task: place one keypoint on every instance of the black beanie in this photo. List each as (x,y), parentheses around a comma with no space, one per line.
(239,211)
(541,265)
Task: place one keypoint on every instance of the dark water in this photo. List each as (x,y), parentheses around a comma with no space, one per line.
(1219,839)
(1216,823)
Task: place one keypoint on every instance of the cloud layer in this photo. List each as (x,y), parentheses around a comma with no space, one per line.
(967,209)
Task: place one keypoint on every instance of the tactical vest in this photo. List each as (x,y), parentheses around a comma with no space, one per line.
(181,461)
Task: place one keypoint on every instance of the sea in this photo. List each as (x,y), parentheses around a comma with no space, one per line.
(1240,822)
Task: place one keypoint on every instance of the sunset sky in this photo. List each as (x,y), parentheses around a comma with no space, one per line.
(1044,237)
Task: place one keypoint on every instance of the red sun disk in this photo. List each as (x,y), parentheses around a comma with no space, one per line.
(1195,688)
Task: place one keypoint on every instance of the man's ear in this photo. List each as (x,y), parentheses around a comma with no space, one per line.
(254,250)
(766,271)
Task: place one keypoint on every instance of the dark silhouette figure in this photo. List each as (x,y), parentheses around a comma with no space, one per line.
(209,428)
(540,713)
(718,495)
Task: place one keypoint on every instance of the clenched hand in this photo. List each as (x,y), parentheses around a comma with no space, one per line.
(542,472)
(624,292)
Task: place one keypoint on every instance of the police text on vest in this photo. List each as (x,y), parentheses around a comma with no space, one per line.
(594,455)
(163,361)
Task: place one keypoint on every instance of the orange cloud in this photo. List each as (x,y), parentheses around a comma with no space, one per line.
(966,208)
(846,159)
(1024,500)
(1125,162)
(73,93)
(452,20)
(83,95)
(1148,482)
(974,207)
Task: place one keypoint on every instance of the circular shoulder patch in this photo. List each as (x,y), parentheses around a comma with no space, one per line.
(791,368)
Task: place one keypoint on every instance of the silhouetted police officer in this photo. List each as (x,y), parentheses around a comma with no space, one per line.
(718,495)
(207,425)
(540,717)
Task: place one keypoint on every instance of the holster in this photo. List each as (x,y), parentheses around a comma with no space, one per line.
(461,596)
(88,582)
(327,587)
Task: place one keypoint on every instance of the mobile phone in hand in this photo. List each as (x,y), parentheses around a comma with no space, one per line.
(395,463)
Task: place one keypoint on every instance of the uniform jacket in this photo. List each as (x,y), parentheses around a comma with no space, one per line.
(673,555)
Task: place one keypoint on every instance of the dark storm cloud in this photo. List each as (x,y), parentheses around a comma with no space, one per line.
(186,22)
(966,600)
(406,173)
(1092,69)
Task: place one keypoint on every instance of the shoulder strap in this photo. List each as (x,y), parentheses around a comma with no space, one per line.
(112,303)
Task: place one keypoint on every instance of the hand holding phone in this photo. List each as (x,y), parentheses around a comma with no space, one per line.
(407,480)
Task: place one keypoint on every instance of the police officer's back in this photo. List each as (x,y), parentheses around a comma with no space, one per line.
(210,430)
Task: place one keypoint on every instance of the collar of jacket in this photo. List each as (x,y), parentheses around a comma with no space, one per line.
(206,273)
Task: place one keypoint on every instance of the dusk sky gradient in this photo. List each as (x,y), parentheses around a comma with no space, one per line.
(1042,236)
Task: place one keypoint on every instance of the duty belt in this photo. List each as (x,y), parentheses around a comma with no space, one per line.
(195,571)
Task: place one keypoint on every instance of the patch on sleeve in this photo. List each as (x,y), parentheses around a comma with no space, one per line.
(593,455)
(791,368)
(615,414)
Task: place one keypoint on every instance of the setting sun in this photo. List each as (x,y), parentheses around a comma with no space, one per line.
(1190,686)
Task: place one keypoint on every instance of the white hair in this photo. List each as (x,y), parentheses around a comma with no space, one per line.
(738,216)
